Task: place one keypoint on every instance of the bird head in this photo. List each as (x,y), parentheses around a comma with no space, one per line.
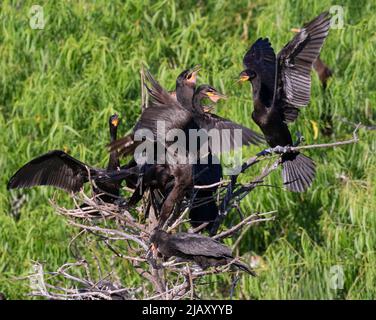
(247,75)
(189,76)
(114,120)
(206,91)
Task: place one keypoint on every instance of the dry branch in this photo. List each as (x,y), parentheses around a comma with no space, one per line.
(125,234)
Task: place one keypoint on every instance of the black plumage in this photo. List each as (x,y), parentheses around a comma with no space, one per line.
(58,169)
(184,173)
(178,113)
(322,70)
(281,85)
(181,112)
(174,109)
(203,250)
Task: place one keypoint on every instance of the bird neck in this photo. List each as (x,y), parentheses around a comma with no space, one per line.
(113,133)
(196,101)
(184,94)
(261,93)
(113,162)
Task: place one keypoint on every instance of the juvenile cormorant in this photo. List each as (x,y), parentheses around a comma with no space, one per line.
(176,111)
(203,250)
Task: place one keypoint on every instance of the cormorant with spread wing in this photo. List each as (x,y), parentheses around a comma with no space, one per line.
(58,169)
(280,86)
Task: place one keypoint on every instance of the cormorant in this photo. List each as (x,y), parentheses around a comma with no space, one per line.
(175,115)
(184,173)
(57,168)
(203,250)
(280,86)
(179,113)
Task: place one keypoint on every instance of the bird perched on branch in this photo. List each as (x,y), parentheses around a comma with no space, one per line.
(58,169)
(281,85)
(203,250)
(183,111)
(182,173)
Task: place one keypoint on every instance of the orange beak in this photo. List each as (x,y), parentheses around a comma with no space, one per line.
(115,122)
(215,96)
(192,76)
(243,78)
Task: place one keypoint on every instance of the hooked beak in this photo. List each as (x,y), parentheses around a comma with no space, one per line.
(192,76)
(115,120)
(215,96)
(243,76)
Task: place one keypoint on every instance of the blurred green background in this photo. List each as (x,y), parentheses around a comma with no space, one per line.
(59,85)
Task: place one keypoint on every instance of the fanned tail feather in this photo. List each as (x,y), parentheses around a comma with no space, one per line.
(298,171)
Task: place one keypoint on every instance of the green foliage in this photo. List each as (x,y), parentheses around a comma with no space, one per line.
(59,85)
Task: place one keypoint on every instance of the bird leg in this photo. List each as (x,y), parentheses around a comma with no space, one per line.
(300,139)
(265,152)
(233,285)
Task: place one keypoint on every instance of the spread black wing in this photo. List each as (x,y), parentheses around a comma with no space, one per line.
(55,168)
(295,62)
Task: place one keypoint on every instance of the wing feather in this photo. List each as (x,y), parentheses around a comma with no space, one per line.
(295,62)
(196,244)
(55,168)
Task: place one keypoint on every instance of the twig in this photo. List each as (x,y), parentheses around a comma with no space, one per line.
(253,218)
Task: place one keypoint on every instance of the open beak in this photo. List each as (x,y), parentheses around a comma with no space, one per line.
(296,30)
(115,121)
(215,96)
(192,76)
